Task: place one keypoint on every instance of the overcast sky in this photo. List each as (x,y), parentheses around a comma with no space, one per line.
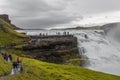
(48,13)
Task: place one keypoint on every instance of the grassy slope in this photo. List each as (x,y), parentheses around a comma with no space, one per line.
(37,70)
(5,67)
(8,35)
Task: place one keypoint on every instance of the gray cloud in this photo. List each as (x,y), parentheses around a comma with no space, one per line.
(46,13)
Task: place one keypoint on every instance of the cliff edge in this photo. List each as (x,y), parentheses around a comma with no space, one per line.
(5,17)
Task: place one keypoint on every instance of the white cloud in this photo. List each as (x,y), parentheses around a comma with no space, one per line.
(57,11)
(92,20)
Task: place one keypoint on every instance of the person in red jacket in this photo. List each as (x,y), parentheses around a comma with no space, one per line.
(18,60)
(19,64)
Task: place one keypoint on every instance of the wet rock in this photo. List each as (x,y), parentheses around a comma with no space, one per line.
(55,50)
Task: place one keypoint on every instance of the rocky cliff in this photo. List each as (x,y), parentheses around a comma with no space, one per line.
(57,49)
(5,17)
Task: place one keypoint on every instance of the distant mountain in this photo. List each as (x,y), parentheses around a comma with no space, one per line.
(83,28)
(104,27)
(110,26)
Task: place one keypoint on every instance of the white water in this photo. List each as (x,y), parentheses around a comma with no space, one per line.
(102,50)
(103,54)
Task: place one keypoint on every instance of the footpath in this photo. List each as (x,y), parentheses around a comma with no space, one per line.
(16,65)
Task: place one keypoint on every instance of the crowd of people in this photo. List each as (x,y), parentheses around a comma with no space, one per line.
(17,64)
(57,33)
(7,57)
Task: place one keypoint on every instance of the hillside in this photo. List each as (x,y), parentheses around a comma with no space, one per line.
(5,17)
(5,67)
(8,36)
(38,70)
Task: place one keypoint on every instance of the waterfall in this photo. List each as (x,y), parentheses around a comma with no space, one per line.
(100,48)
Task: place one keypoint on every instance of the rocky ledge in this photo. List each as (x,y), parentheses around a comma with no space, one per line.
(55,48)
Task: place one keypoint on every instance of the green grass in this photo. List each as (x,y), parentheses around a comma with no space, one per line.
(77,62)
(8,36)
(37,70)
(9,28)
(5,67)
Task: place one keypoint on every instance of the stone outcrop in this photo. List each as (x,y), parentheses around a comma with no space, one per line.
(5,17)
(53,49)
(1,25)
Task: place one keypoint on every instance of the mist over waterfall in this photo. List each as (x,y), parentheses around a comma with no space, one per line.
(103,50)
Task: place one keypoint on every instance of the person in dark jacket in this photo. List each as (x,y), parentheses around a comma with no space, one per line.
(5,57)
(15,65)
(10,57)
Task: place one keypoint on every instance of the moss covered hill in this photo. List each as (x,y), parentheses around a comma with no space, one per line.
(8,36)
(38,70)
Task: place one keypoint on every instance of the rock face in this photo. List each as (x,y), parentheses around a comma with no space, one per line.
(1,25)
(56,49)
(5,17)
